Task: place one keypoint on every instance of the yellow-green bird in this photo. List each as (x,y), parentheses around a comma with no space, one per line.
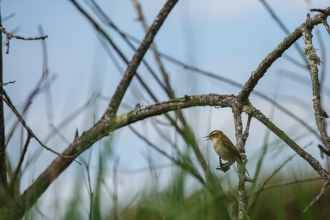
(225,149)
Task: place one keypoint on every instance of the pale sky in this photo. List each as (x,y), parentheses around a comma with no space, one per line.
(229,38)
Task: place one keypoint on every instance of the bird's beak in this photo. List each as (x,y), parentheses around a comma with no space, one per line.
(207,138)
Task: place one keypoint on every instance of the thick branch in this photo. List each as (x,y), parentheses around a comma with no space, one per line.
(241,169)
(168,88)
(137,58)
(98,131)
(277,52)
(311,160)
(313,61)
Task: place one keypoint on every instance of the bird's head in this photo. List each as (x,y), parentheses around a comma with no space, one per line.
(214,135)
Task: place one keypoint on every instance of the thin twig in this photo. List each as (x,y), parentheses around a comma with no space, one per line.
(103,16)
(281,166)
(4,84)
(9,36)
(168,88)
(39,87)
(319,10)
(323,150)
(318,197)
(262,186)
(7,100)
(246,132)
(326,25)
(7,17)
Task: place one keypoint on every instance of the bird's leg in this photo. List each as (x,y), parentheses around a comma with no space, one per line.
(224,167)
(220,163)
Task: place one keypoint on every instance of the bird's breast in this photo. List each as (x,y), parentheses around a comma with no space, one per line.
(224,153)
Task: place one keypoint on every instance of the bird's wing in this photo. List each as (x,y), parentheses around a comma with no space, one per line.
(230,146)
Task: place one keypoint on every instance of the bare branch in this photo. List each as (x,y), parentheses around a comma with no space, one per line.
(241,169)
(323,150)
(99,130)
(238,85)
(246,132)
(286,31)
(8,17)
(262,186)
(4,84)
(7,100)
(168,88)
(318,197)
(314,61)
(320,10)
(98,28)
(276,53)
(326,25)
(311,160)
(135,62)
(9,36)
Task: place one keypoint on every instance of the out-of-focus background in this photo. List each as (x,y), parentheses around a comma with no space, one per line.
(227,38)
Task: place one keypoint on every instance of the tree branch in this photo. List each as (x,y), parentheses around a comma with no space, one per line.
(137,58)
(237,112)
(277,52)
(319,196)
(98,131)
(311,160)
(313,61)
(7,100)
(9,36)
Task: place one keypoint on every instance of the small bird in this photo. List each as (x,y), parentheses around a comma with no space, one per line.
(225,149)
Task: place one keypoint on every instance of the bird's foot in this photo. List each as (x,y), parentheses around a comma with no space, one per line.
(224,167)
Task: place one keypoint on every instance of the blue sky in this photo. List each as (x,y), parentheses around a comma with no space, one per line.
(229,38)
